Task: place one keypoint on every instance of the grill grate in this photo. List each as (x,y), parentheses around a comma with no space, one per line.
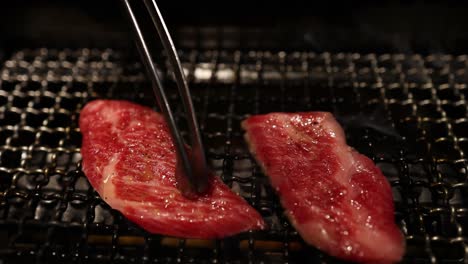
(407,112)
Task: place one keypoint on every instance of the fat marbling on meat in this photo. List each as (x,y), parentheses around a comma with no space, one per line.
(129,158)
(336,198)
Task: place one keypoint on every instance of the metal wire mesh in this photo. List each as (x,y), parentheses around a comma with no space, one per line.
(407,112)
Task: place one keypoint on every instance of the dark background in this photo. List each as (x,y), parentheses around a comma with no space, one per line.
(355,26)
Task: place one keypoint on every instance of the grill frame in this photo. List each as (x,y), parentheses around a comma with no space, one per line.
(416,115)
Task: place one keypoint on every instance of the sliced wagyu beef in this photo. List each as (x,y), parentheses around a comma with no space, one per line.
(129,158)
(336,198)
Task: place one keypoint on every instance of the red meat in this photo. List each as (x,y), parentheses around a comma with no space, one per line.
(336,198)
(129,158)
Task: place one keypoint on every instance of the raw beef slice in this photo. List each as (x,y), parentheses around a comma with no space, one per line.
(129,158)
(336,198)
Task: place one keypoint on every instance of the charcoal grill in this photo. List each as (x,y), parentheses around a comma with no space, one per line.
(407,112)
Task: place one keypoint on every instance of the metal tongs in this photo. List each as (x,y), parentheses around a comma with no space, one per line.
(194,175)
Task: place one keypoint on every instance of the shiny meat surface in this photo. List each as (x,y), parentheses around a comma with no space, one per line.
(129,158)
(336,198)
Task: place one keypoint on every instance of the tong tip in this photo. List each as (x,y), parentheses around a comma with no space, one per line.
(197,182)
